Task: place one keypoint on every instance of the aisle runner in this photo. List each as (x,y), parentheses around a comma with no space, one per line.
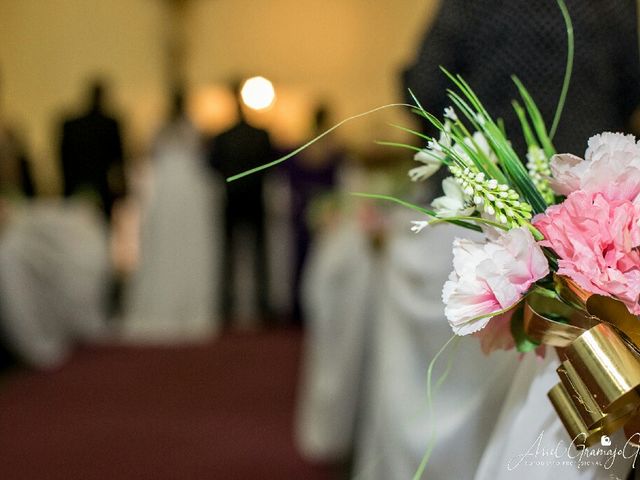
(220,411)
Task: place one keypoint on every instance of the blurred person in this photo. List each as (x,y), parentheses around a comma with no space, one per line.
(340,288)
(487,41)
(15,171)
(173,294)
(235,150)
(311,175)
(91,152)
(54,278)
(15,181)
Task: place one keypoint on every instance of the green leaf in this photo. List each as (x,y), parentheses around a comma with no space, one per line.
(526,128)
(509,161)
(536,118)
(479,160)
(425,211)
(501,126)
(400,145)
(413,132)
(523,343)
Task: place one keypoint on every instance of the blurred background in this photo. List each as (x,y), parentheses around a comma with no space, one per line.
(158,322)
(50,50)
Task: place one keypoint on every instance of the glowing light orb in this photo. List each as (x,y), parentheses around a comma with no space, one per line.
(258,93)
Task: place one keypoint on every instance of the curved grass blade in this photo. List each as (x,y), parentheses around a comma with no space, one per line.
(526,128)
(397,144)
(536,118)
(511,164)
(568,70)
(432,434)
(251,171)
(424,211)
(409,130)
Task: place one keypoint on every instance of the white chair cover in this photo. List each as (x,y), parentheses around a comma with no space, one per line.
(54,272)
(528,426)
(411,329)
(339,298)
(174,294)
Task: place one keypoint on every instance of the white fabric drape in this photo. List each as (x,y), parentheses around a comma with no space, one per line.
(54,273)
(411,328)
(339,298)
(173,295)
(528,426)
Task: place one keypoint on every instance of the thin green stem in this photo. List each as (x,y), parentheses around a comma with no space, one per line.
(470,219)
(251,171)
(424,211)
(396,144)
(568,70)
(432,435)
(409,130)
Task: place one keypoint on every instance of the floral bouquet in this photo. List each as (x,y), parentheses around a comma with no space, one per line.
(560,262)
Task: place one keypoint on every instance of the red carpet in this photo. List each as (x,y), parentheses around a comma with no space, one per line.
(221,411)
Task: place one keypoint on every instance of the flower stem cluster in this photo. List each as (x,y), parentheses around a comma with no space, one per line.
(491,197)
(540,171)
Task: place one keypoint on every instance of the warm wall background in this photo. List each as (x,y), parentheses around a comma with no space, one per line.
(348,52)
(50,48)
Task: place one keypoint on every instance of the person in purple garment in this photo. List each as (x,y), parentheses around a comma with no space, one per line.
(311,175)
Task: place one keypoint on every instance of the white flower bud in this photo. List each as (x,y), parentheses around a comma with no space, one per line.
(418,225)
(450,113)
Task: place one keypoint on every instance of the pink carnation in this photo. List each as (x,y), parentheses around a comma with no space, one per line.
(611,167)
(596,239)
(489,277)
(496,335)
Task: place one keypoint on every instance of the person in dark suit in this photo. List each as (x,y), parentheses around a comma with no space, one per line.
(91,153)
(488,40)
(233,151)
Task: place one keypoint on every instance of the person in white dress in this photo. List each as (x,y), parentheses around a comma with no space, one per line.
(173,295)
